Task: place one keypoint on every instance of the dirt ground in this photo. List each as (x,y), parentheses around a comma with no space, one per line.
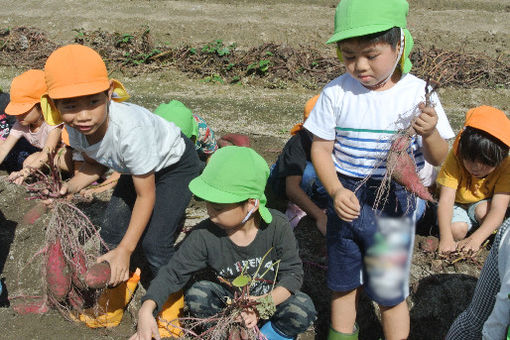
(438,293)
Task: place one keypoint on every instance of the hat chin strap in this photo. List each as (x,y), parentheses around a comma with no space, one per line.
(400,52)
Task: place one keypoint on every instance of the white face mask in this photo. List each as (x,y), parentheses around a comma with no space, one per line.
(250,212)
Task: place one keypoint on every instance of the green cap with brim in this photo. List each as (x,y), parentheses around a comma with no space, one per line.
(356,18)
(234,174)
(177,113)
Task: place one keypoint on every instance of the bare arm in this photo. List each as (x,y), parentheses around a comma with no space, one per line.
(50,146)
(435,148)
(145,187)
(298,196)
(345,202)
(89,172)
(444,217)
(491,222)
(7,146)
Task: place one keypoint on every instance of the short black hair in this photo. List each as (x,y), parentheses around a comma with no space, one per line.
(391,36)
(476,145)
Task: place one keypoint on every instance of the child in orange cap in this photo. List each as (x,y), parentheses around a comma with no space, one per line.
(26,91)
(155,159)
(293,177)
(475,181)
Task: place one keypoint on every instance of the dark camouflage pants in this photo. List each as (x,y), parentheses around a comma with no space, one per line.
(292,317)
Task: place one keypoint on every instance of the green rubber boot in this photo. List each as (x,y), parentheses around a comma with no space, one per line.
(335,335)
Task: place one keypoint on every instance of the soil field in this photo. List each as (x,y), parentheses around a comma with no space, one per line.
(263,109)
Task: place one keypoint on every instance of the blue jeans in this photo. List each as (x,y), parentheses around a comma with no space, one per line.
(172,198)
(292,317)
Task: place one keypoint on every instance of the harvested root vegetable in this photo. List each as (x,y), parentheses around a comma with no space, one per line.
(76,300)
(98,275)
(234,139)
(403,168)
(58,275)
(34,307)
(79,269)
(34,213)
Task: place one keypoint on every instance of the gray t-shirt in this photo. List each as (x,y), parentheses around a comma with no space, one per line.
(209,246)
(136,141)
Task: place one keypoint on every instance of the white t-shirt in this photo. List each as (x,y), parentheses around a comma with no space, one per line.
(362,122)
(136,141)
(38,138)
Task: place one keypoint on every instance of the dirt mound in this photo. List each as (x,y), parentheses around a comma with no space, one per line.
(272,65)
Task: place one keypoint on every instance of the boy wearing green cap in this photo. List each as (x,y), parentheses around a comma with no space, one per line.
(353,122)
(234,239)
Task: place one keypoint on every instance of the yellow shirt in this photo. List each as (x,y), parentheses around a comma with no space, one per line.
(471,189)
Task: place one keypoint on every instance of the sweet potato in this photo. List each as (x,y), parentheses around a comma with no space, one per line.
(34,213)
(403,169)
(98,275)
(234,139)
(76,300)
(79,268)
(34,307)
(58,275)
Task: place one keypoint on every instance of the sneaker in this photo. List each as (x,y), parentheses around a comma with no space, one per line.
(294,213)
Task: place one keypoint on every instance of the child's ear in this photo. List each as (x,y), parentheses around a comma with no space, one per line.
(253,204)
(110,90)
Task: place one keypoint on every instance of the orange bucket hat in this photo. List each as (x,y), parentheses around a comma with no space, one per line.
(310,104)
(26,91)
(488,119)
(75,71)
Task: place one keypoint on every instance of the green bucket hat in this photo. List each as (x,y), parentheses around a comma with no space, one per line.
(356,18)
(177,113)
(234,174)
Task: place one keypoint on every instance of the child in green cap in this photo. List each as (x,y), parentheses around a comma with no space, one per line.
(192,126)
(353,123)
(234,239)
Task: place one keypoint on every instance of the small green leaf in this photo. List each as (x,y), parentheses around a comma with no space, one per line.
(242,280)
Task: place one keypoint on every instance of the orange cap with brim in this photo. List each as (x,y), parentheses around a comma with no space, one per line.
(488,119)
(26,91)
(74,71)
(310,104)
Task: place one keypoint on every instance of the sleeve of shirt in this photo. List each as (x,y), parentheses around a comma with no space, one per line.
(290,272)
(189,258)
(503,182)
(450,173)
(443,125)
(293,158)
(17,130)
(321,121)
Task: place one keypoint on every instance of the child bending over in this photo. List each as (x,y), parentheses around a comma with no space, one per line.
(234,239)
(293,177)
(156,162)
(475,181)
(353,121)
(26,91)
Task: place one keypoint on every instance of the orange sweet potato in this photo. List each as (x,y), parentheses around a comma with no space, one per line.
(98,275)
(58,275)
(34,213)
(403,168)
(79,269)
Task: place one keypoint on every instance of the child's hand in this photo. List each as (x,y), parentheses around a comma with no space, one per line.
(118,259)
(346,204)
(147,326)
(469,244)
(17,177)
(426,122)
(249,317)
(447,246)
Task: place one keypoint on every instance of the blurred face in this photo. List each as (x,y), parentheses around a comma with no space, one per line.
(228,216)
(370,63)
(87,114)
(31,117)
(478,169)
